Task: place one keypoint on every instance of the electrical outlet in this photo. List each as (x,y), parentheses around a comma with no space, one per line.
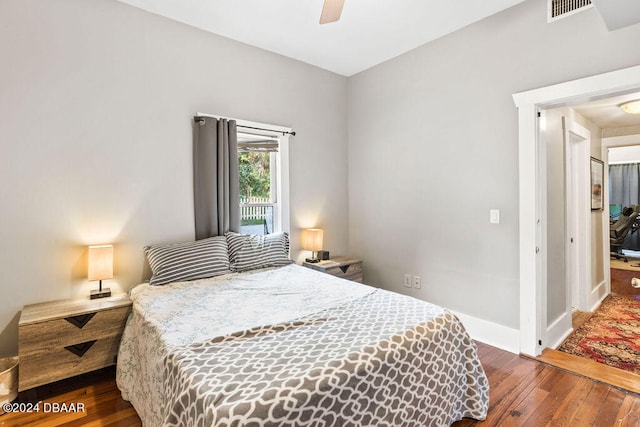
(407,280)
(417,282)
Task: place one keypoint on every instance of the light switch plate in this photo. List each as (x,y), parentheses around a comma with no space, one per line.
(494,216)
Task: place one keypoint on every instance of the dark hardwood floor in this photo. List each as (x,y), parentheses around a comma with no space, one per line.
(524,392)
(98,393)
(621,281)
(620,285)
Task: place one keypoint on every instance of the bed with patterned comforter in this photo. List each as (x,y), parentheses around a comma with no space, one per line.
(294,347)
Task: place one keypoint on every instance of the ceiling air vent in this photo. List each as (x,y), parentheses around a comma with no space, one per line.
(563,8)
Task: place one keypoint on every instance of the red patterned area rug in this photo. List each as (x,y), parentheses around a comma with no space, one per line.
(611,335)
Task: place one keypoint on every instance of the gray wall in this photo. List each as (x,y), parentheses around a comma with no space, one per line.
(433,137)
(96,105)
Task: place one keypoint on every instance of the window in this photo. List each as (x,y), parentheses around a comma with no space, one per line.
(263,167)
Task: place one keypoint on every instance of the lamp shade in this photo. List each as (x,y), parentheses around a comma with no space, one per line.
(100,262)
(312,239)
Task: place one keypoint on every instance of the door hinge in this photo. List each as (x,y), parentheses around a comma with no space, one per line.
(572,240)
(539,342)
(537,249)
(539,114)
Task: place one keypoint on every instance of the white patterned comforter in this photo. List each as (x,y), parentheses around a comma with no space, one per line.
(292,347)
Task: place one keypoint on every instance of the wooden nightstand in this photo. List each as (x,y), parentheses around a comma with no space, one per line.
(347,268)
(62,339)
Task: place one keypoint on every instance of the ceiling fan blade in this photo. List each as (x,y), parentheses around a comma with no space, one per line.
(331,11)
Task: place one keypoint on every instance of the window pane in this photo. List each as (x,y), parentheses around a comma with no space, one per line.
(255,177)
(256,219)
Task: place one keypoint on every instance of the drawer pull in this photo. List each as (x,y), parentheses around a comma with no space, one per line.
(344,268)
(80,320)
(80,349)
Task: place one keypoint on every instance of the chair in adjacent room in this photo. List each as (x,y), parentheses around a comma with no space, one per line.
(619,230)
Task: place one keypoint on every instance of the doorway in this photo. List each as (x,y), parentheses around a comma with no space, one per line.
(622,163)
(573,245)
(533,218)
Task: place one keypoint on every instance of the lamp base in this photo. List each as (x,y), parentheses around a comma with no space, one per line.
(312,260)
(100,293)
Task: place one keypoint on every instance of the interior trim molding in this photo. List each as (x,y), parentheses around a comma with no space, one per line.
(559,330)
(531,219)
(500,336)
(598,294)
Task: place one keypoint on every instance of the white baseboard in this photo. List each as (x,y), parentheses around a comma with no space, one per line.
(496,335)
(558,331)
(598,294)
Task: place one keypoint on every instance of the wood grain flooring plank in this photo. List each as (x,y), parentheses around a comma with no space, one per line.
(495,366)
(521,398)
(591,369)
(629,413)
(555,397)
(573,403)
(486,351)
(557,383)
(110,415)
(528,407)
(591,406)
(608,415)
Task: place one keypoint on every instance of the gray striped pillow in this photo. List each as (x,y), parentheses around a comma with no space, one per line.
(248,252)
(188,261)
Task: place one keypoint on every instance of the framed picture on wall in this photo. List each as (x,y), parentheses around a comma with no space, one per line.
(597,181)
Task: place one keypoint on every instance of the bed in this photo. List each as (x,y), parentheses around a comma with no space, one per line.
(290,346)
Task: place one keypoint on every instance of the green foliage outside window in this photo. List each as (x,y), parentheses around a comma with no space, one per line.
(255,174)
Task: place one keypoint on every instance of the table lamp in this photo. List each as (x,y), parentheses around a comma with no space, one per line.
(100,268)
(312,241)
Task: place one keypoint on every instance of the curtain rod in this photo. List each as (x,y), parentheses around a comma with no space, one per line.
(200,119)
(292,133)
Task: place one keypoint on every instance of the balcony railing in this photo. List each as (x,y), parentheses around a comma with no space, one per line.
(256,215)
(254,208)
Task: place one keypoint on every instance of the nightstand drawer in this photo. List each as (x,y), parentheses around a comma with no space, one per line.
(345,268)
(65,338)
(58,363)
(346,271)
(44,336)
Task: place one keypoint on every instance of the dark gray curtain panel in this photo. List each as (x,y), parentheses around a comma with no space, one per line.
(215,177)
(624,189)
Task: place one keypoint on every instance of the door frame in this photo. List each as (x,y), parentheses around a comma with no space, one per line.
(532,220)
(607,143)
(578,215)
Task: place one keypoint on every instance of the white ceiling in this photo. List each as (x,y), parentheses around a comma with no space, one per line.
(369,32)
(619,13)
(606,114)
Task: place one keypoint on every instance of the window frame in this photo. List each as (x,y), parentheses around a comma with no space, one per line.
(279,169)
